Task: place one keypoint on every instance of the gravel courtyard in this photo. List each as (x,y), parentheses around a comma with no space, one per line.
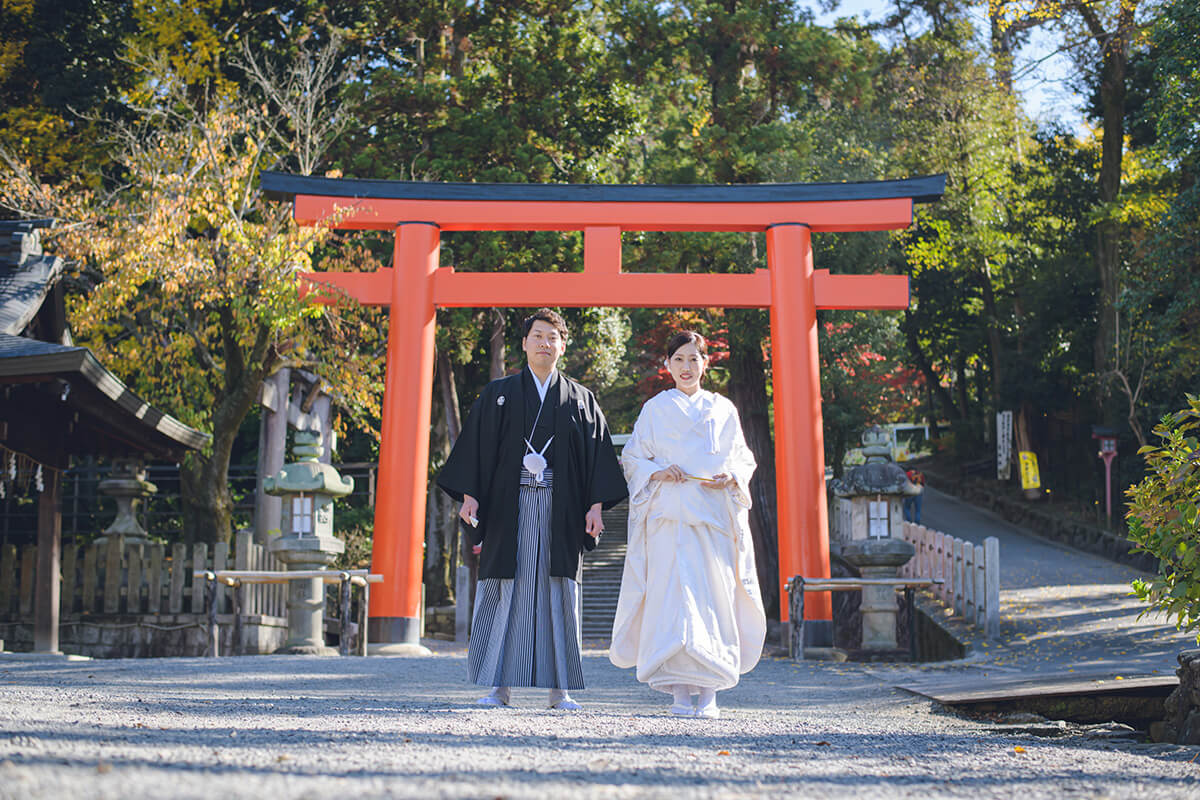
(306,727)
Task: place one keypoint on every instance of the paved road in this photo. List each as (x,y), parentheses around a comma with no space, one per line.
(1062,609)
(304,727)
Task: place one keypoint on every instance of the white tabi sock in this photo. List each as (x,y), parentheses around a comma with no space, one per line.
(706,704)
(499,696)
(562,701)
(682,707)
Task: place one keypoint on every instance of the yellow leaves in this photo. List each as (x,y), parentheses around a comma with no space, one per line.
(1007,13)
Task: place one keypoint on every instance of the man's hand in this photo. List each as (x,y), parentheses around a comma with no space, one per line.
(671,473)
(469,512)
(719,481)
(595,525)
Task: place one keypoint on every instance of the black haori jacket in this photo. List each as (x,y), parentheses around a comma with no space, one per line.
(486,464)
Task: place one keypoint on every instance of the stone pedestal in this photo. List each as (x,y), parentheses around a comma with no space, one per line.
(878,558)
(306,597)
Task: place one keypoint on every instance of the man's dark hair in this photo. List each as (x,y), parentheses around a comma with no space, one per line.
(546,315)
(687,337)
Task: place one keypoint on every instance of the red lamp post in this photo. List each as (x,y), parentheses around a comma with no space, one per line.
(1108,451)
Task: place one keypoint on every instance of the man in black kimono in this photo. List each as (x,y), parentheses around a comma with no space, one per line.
(533,467)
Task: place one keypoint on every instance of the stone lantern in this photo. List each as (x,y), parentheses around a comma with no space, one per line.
(873,540)
(307,488)
(127,484)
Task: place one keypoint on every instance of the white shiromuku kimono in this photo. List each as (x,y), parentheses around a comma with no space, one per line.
(690,610)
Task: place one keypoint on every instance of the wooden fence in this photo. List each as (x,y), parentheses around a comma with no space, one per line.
(970,573)
(117,577)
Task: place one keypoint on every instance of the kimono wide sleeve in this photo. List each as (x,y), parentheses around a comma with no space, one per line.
(462,473)
(741,463)
(637,457)
(605,482)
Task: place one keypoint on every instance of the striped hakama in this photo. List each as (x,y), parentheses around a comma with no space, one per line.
(526,630)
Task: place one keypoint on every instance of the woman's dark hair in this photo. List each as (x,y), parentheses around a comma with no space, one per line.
(546,315)
(687,337)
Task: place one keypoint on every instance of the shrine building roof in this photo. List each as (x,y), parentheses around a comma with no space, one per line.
(57,399)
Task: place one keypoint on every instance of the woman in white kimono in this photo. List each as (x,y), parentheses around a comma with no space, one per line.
(690,615)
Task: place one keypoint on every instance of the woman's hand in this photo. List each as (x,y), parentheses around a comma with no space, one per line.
(719,481)
(671,473)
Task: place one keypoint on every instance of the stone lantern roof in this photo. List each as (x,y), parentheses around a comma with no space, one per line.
(306,474)
(879,475)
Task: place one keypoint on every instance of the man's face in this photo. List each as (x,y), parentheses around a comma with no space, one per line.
(543,345)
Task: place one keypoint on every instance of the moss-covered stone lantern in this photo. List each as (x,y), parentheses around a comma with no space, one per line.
(306,542)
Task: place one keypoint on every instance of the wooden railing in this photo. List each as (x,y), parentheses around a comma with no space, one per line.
(969,573)
(117,577)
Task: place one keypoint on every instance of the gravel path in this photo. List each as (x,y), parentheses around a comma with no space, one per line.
(291,726)
(296,727)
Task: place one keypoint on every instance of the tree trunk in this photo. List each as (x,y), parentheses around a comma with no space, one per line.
(457,549)
(449,390)
(440,515)
(932,380)
(204,477)
(1114,46)
(205,499)
(1025,444)
(748,388)
(1108,231)
(496,346)
(995,343)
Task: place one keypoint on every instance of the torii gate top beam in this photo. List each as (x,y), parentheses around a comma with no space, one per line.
(825,207)
(603,212)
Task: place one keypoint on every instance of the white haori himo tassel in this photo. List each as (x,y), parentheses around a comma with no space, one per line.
(535,461)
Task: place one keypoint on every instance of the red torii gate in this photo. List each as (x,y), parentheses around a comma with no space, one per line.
(416,285)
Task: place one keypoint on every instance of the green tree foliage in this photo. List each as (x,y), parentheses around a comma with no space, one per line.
(193,295)
(60,68)
(721,87)
(864,379)
(1164,517)
(1160,302)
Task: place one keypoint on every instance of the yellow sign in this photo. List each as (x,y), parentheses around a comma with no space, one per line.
(1030,479)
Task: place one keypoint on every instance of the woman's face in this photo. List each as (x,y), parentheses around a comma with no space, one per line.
(687,367)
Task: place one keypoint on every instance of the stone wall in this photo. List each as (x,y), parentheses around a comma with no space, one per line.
(1076,533)
(150,636)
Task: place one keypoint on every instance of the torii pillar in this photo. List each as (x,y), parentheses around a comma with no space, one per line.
(415,286)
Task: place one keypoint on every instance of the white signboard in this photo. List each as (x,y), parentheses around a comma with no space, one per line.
(1004,437)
